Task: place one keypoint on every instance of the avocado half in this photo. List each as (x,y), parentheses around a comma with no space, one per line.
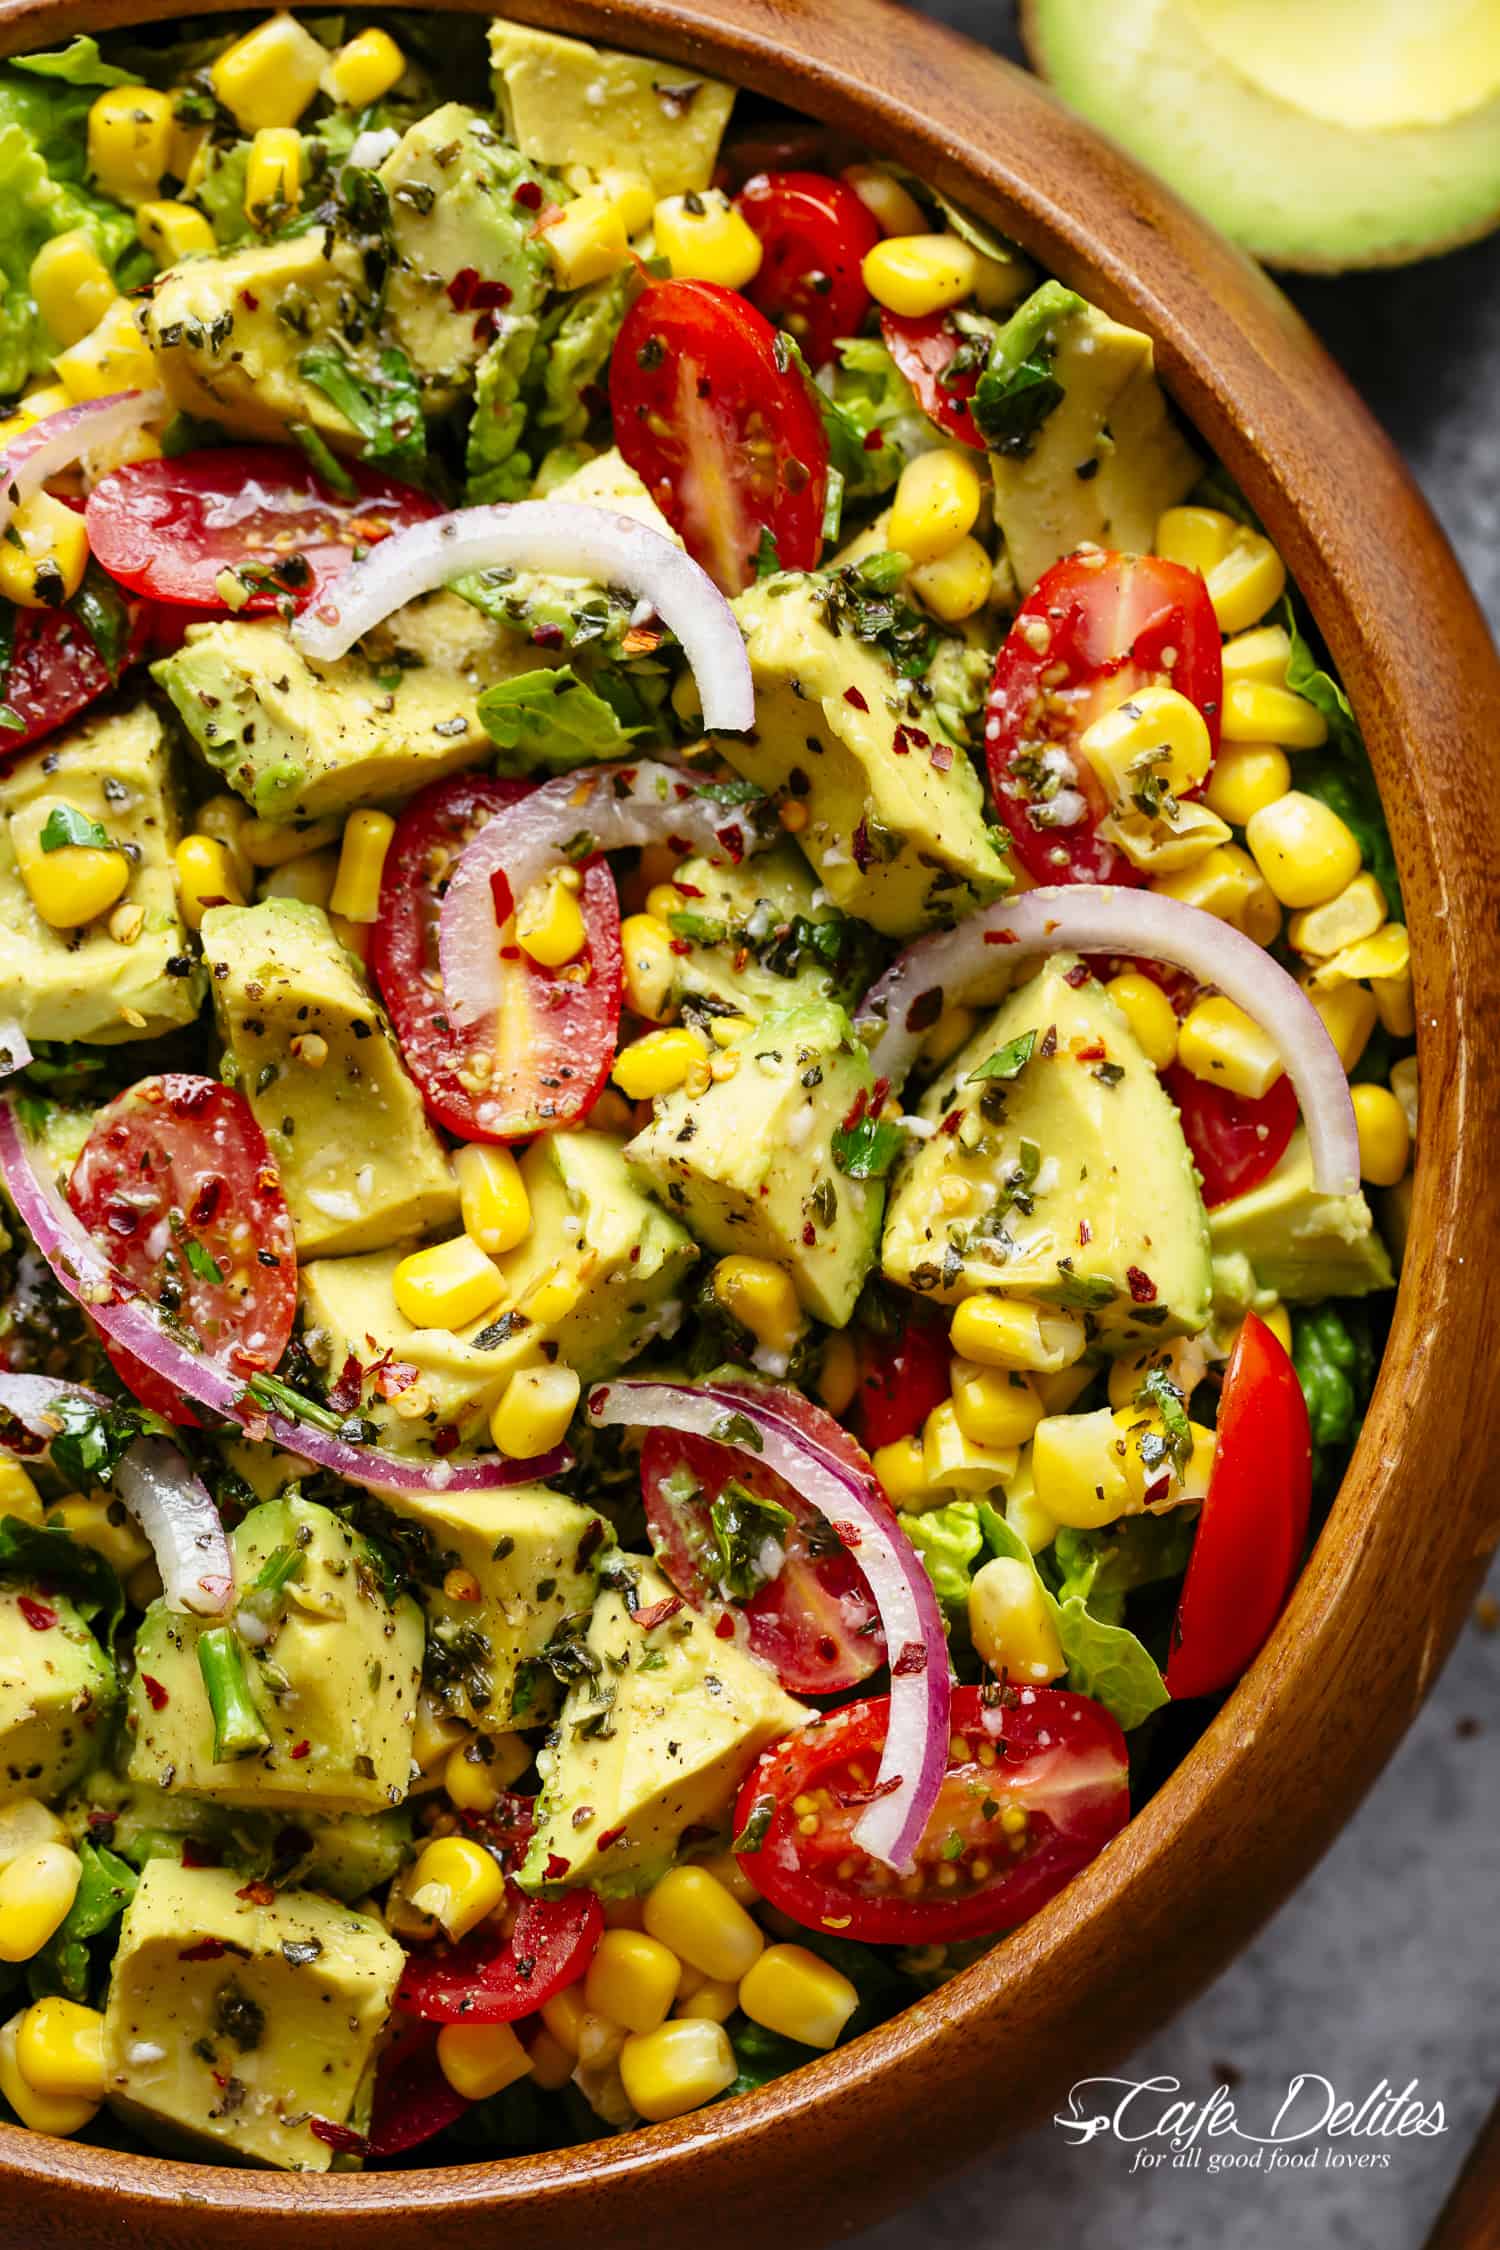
(1320,134)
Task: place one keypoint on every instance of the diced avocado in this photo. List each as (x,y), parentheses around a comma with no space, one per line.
(352,1854)
(229,333)
(301,741)
(564,102)
(334,1679)
(240,2023)
(654,1738)
(347,1854)
(1080,1188)
(535,1556)
(1302,1245)
(1107,460)
(57,1691)
(450,185)
(359,1162)
(749,1164)
(761,935)
(895,819)
(88,984)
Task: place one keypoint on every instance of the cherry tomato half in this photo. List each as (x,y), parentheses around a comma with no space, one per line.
(546,1057)
(1235,1141)
(1253,1528)
(55,672)
(924,350)
(815,234)
(1094,628)
(488,1978)
(901,1379)
(1041,1786)
(728,441)
(171,528)
(412,2099)
(176,1184)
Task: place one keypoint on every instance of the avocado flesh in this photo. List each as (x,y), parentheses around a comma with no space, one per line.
(564,102)
(1312,183)
(1115,1209)
(1302,1245)
(57,1688)
(743,954)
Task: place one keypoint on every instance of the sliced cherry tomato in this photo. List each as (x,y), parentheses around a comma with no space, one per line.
(924,350)
(177,1184)
(171,528)
(546,1057)
(1235,1141)
(728,440)
(55,671)
(487,1978)
(1094,629)
(815,234)
(1057,1758)
(814,1621)
(412,2099)
(901,1379)
(1250,1536)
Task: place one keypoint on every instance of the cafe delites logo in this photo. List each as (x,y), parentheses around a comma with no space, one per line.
(1313,2126)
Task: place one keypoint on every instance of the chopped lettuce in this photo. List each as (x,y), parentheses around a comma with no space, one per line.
(1105,1660)
(1340,776)
(1336,1352)
(1102,1567)
(78,64)
(884,426)
(42,141)
(106,1887)
(950,1542)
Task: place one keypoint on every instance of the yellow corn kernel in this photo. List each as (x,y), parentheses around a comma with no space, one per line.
(563,2016)
(356,891)
(956,584)
(44,553)
(1184,1361)
(1220,1043)
(714,2002)
(1149,1013)
(106,1526)
(1008,1332)
(72,885)
(549,923)
(953,1029)
(45,399)
(893,209)
(72,285)
(901,1471)
(632,1979)
(650,966)
(553,1294)
(273,175)
(663,900)
(480,2059)
(994,1406)
(1384,1136)
(1261,655)
(24,1824)
(838,1373)
(1348,1014)
(447,1285)
(173,231)
(1255,711)
(1245,581)
(113,356)
(729,1870)
(624,1914)
(1197,538)
(129,137)
(36,1890)
(469,1783)
(310,878)
(1355,913)
(631,194)
(1226,882)
(367,67)
(936,503)
(271,843)
(458,1883)
(1162,844)
(1152,1476)
(1279,1321)
(269,77)
(492,1198)
(1246,776)
(18,1495)
(1305,852)
(535,1409)
(1395,1003)
(205,878)
(791,1991)
(676,2068)
(694,1915)
(1011,1623)
(704,238)
(60,2050)
(1078,1463)
(40,2113)
(587,240)
(551,2065)
(955,1462)
(916,274)
(1385,955)
(760,1296)
(1155,735)
(657,1063)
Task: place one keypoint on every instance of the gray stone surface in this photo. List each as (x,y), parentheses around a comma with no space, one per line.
(1384,1964)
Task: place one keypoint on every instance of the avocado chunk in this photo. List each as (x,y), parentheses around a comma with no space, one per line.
(762,935)
(57,1691)
(359,1162)
(564,102)
(303,741)
(347,1854)
(655,1737)
(1302,1245)
(1080,1188)
(331,1667)
(237,2024)
(895,819)
(750,1164)
(86,983)
(1357,142)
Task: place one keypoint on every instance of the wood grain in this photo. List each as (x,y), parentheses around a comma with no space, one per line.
(1470,2219)
(1280,1769)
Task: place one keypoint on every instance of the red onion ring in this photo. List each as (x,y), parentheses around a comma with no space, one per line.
(58,440)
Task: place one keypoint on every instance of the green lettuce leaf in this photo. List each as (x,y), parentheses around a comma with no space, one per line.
(1018,389)
(1340,776)
(550,721)
(78,64)
(1105,1660)
(950,1542)
(384,407)
(105,1888)
(879,425)
(39,200)
(1102,1567)
(54,1558)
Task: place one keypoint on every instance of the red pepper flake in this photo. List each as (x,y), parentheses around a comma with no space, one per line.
(467,293)
(847,1534)
(201,1855)
(547,636)
(809,1234)
(688,890)
(38,1616)
(1077,976)
(340,2137)
(1085,1234)
(1158,1490)
(529,195)
(347,1391)
(156,1694)
(913,1659)
(877,1789)
(445,1439)
(258,1893)
(952,1121)
(206,1949)
(300,1749)
(679,945)
(1001,937)
(1142,1287)
(609,1836)
(658,1613)
(502,897)
(556,1866)
(1095,1052)
(249,300)
(878,1092)
(856,1109)
(854,697)
(874,441)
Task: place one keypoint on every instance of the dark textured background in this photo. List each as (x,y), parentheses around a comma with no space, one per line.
(1384,1965)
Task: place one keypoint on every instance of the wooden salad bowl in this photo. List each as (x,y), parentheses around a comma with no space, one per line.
(1284,1763)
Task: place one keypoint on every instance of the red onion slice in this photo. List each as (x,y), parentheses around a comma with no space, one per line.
(915,1756)
(560,536)
(970,962)
(137,1327)
(15,1049)
(58,440)
(613,807)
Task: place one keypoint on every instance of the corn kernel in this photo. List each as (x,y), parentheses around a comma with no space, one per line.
(273,175)
(1261,655)
(18,1495)
(44,553)
(1152,1473)
(1255,711)
(704,238)
(551,2065)
(269,77)
(587,240)
(1355,913)
(310,878)
(1227,883)
(936,503)
(676,2068)
(1279,1321)
(366,840)
(838,1373)
(549,924)
(657,1063)
(1385,955)
(535,1409)
(129,135)
(363,70)
(916,274)
(271,843)
(695,1916)
(713,2002)
(480,2059)
(1395,1004)
(1149,1013)
(72,285)
(1220,1043)
(70,886)
(1008,1332)
(458,1883)
(1155,735)
(1384,1136)
(1162,843)
(1078,1462)
(1197,538)
(36,1890)
(113,356)
(1245,581)
(631,194)
(1348,1014)
(448,1285)
(1011,1623)
(791,1991)
(104,1525)
(956,584)
(173,231)
(727,1868)
(901,1471)
(40,2113)
(553,1294)
(893,209)
(472,1783)
(955,1462)
(24,1824)
(563,2016)
(1303,849)
(60,2050)
(994,1406)
(1184,1361)
(632,1979)
(205,878)
(760,1296)
(1246,776)
(492,1198)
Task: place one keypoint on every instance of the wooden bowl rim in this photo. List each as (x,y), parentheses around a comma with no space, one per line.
(1284,1762)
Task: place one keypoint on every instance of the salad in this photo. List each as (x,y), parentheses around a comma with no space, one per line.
(699,981)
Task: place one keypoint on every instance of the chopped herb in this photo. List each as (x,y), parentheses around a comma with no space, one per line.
(65,826)
(1007,1062)
(867,1149)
